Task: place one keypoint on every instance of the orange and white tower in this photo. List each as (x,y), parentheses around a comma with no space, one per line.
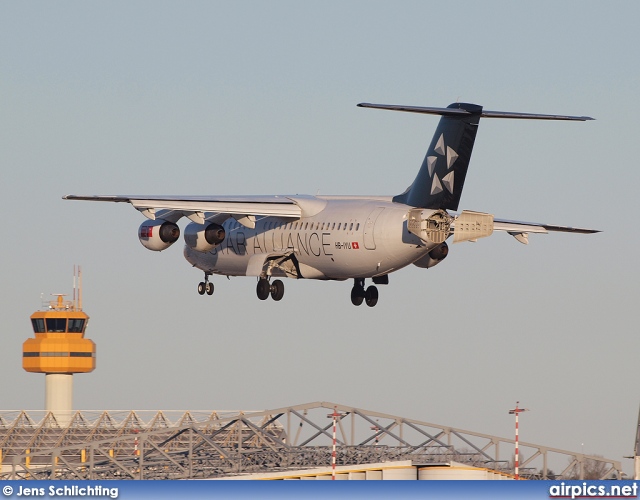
(59,350)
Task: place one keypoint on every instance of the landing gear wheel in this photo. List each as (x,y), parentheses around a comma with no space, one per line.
(209,288)
(357,295)
(202,287)
(263,289)
(371,296)
(277,290)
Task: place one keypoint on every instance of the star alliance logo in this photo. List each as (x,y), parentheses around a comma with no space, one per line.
(447,180)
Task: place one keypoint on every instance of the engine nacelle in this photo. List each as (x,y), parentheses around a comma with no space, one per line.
(204,237)
(440,252)
(158,235)
(435,256)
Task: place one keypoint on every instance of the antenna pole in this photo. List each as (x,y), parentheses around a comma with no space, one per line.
(75,305)
(79,288)
(335,415)
(333,451)
(516,411)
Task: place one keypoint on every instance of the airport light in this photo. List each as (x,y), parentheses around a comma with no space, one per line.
(516,411)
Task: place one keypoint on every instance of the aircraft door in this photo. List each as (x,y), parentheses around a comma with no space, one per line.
(369,241)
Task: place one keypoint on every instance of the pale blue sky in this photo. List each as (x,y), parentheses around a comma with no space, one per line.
(259,98)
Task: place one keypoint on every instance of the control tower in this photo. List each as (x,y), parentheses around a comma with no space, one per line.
(59,350)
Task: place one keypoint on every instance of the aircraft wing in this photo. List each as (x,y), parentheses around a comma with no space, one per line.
(244,208)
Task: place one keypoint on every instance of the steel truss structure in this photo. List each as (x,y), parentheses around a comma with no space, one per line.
(218,444)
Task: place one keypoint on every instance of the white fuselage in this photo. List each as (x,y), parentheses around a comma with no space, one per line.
(349,238)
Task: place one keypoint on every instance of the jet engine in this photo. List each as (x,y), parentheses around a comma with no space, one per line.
(158,235)
(435,256)
(204,237)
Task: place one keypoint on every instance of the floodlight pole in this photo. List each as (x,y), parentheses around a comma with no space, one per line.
(516,411)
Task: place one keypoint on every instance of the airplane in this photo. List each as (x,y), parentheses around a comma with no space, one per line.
(337,237)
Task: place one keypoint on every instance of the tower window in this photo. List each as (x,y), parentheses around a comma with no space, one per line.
(76,325)
(57,325)
(38,325)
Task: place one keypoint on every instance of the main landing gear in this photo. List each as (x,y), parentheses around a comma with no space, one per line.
(275,289)
(359,294)
(205,286)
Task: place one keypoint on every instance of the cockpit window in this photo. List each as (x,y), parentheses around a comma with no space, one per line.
(76,325)
(56,324)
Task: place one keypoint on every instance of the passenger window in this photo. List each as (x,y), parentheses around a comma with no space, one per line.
(339,224)
(351,227)
(306,225)
(333,226)
(358,226)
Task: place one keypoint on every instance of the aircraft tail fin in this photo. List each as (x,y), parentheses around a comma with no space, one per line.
(440,180)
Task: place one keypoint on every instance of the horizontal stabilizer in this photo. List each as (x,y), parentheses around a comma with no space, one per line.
(469,226)
(462,112)
(513,226)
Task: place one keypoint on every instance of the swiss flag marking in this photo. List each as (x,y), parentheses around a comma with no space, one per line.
(355,245)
